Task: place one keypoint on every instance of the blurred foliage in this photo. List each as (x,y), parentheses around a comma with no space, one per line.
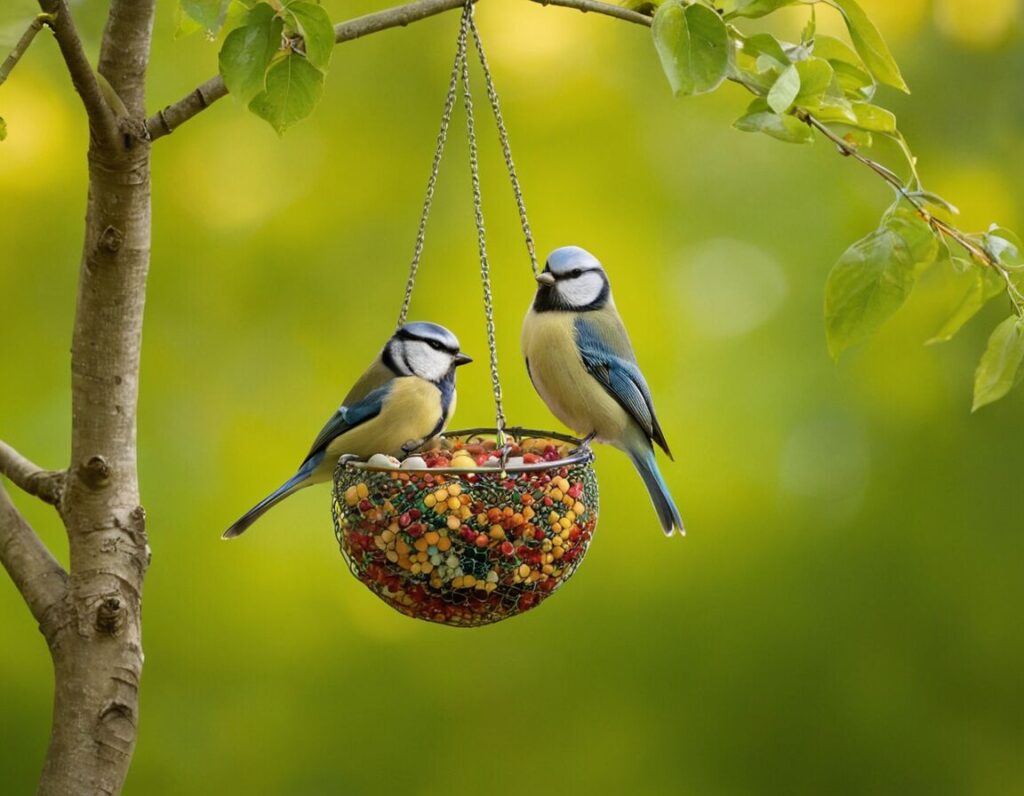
(841,618)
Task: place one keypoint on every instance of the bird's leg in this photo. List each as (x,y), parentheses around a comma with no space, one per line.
(412,445)
(585,442)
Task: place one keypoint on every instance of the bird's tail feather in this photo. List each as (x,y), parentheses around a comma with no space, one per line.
(666,509)
(294,483)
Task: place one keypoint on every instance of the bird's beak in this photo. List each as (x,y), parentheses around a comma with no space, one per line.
(462,359)
(545,278)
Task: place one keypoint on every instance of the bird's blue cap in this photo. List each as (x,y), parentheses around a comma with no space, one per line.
(428,332)
(568,258)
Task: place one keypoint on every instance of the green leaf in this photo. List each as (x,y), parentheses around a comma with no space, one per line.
(693,45)
(816,76)
(756,8)
(209,14)
(975,286)
(870,45)
(317,32)
(1005,246)
(863,115)
(293,90)
(785,89)
(1000,366)
(810,29)
(766,50)
(872,280)
(761,119)
(248,50)
(3,129)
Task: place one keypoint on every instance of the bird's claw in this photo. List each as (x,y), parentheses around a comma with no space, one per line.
(412,445)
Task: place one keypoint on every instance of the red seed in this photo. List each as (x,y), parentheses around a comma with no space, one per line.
(482,540)
(507,548)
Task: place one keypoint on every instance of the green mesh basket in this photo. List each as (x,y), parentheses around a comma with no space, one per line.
(461,540)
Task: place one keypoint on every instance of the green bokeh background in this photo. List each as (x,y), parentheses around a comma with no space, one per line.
(844,616)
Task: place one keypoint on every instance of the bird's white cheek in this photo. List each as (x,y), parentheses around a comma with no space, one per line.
(581,291)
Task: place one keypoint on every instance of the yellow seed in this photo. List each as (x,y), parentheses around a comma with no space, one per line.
(567,501)
(481,519)
(455,489)
(468,581)
(555,494)
(379,541)
(404,563)
(415,568)
(441,495)
(402,547)
(453,522)
(392,556)
(548,569)
(548,558)
(528,513)
(431,537)
(362,491)
(351,496)
(426,566)
(557,553)
(465,513)
(421,544)
(553,518)
(579,508)
(422,556)
(570,515)
(429,501)
(457,582)
(545,545)
(435,582)
(565,522)
(497,532)
(453,503)
(564,533)
(534,576)
(388,535)
(444,543)
(524,570)
(490,587)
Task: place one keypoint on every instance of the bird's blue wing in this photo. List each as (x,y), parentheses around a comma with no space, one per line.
(348,417)
(621,378)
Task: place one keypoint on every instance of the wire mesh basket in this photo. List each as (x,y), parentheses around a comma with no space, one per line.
(454,537)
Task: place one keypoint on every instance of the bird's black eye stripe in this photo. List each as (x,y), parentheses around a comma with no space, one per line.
(575,272)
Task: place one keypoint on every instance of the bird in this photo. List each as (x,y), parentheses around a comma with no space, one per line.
(581,362)
(403,400)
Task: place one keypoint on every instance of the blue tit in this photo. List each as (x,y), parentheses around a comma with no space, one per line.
(582,364)
(404,399)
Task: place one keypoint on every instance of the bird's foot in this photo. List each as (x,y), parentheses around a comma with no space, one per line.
(412,445)
(585,442)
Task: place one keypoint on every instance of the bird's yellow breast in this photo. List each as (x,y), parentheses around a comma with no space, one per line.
(411,411)
(574,396)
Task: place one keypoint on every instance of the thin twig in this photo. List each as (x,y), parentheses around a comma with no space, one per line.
(101,118)
(40,579)
(940,227)
(47,485)
(21,47)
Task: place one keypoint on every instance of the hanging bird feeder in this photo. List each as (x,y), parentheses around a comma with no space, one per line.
(487,523)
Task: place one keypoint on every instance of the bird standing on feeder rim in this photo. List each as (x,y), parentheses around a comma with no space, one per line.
(404,399)
(582,364)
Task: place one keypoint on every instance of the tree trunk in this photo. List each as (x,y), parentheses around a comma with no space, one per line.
(97,643)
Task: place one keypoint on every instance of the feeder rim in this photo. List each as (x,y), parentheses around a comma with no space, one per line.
(581,455)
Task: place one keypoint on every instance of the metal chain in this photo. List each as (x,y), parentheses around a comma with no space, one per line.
(506,150)
(442,137)
(481,239)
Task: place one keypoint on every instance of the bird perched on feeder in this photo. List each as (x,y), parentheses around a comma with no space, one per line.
(582,364)
(404,399)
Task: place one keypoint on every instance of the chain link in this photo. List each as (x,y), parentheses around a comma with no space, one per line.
(442,137)
(506,150)
(481,238)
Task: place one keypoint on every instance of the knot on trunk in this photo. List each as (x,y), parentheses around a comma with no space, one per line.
(110,616)
(95,472)
(111,240)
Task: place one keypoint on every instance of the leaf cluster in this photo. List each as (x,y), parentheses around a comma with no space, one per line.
(823,83)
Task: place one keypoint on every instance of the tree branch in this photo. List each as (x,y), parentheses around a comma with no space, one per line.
(169,119)
(35,572)
(102,123)
(21,47)
(47,485)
